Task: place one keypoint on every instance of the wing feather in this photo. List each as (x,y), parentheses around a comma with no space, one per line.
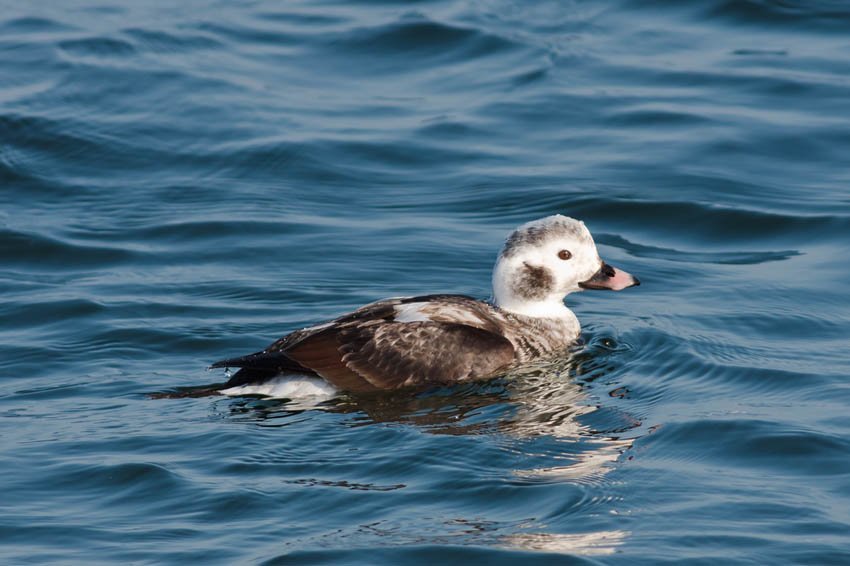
(453,339)
(392,355)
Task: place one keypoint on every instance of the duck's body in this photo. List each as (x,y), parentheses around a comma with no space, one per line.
(402,342)
(444,339)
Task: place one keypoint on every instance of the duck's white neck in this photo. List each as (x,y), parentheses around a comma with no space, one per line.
(548,308)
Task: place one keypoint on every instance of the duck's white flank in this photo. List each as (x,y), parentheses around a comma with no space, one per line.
(286,386)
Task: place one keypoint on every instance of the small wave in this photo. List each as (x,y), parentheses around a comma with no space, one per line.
(656,117)
(238,34)
(27,314)
(670,254)
(32,25)
(422,36)
(773,323)
(747,442)
(703,222)
(820,13)
(760,52)
(343,162)
(415,39)
(158,41)
(42,148)
(612,214)
(38,251)
(812,14)
(196,231)
(126,481)
(299,18)
(98,47)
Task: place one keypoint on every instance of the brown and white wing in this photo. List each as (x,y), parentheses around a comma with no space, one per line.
(389,344)
(380,354)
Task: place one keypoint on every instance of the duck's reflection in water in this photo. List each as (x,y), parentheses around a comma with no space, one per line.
(586,544)
(546,414)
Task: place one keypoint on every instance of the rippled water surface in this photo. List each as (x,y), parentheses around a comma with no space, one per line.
(186,181)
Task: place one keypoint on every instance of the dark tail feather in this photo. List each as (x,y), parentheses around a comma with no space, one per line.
(243,361)
(249,375)
(256,368)
(277,361)
(242,377)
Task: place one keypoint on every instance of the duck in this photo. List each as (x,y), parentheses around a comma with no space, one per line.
(444,339)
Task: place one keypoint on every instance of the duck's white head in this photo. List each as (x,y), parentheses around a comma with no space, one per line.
(545,260)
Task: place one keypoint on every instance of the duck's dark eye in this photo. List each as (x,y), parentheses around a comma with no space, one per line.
(565,254)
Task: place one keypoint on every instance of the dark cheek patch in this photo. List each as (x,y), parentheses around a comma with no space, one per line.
(533,282)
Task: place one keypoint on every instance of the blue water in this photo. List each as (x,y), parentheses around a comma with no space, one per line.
(186,181)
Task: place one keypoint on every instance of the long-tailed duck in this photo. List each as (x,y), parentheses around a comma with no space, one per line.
(443,339)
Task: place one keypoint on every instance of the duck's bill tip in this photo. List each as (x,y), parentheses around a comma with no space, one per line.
(609,278)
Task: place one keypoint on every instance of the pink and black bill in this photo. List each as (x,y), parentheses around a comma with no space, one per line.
(609,278)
